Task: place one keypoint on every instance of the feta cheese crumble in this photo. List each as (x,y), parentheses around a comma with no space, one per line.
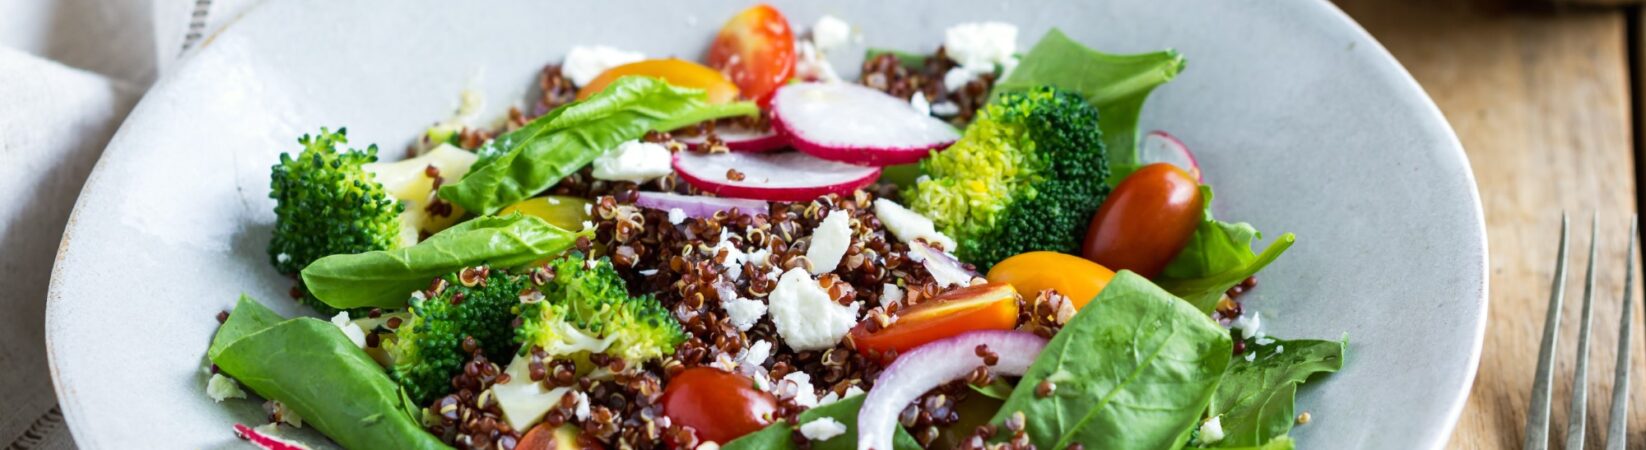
(981,45)
(585,62)
(829,242)
(890,294)
(830,33)
(221,388)
(1211,431)
(908,225)
(822,429)
(919,102)
(352,331)
(634,161)
(805,315)
(798,386)
(677,216)
(742,312)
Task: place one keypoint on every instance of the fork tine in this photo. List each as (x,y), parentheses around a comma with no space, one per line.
(1537,417)
(1617,433)
(1579,412)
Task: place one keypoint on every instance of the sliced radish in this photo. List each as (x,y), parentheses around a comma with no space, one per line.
(778,177)
(266,441)
(698,206)
(931,365)
(946,270)
(739,140)
(850,123)
(1161,147)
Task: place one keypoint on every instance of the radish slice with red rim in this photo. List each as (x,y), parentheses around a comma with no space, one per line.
(931,365)
(698,206)
(851,123)
(264,441)
(1161,147)
(740,140)
(778,177)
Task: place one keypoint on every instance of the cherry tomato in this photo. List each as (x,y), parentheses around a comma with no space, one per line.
(1072,276)
(678,72)
(756,50)
(991,306)
(1146,221)
(566,437)
(720,405)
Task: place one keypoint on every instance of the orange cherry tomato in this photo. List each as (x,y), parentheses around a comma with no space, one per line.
(756,50)
(1073,276)
(720,405)
(675,71)
(566,437)
(991,306)
(1146,221)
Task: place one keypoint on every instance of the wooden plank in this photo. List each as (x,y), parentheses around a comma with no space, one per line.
(1541,102)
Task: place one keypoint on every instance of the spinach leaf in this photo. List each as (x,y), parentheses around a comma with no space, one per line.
(386,278)
(1218,256)
(1134,369)
(1256,397)
(1116,84)
(780,435)
(527,161)
(999,389)
(309,365)
(248,317)
(1279,443)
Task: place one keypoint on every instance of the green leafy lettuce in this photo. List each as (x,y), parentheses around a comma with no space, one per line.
(1218,256)
(1256,397)
(386,279)
(527,161)
(355,403)
(1116,84)
(780,436)
(1133,370)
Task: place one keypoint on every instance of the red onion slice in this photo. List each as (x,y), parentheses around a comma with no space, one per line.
(698,206)
(945,269)
(929,366)
(1161,147)
(264,441)
(741,140)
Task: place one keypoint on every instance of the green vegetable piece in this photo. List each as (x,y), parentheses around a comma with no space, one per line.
(1218,256)
(1279,443)
(248,317)
(428,348)
(1116,84)
(1256,397)
(779,436)
(527,161)
(587,309)
(1134,369)
(999,389)
(311,367)
(386,279)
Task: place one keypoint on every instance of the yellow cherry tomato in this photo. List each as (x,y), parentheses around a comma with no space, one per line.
(1073,276)
(558,210)
(675,71)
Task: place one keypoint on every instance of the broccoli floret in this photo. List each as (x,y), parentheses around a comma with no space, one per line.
(586,309)
(427,349)
(326,204)
(1027,175)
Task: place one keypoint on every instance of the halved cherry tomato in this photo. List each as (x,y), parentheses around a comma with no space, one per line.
(991,306)
(1073,276)
(720,405)
(1146,221)
(675,71)
(565,437)
(756,50)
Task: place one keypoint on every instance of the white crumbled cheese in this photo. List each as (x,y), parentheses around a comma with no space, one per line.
(1211,431)
(1280,349)
(829,242)
(352,331)
(919,102)
(810,64)
(677,215)
(588,208)
(280,413)
(588,225)
(648,272)
(282,258)
(733,264)
(822,429)
(805,315)
(852,392)
(582,409)
(756,353)
(798,386)
(1250,325)
(945,109)
(957,78)
(758,257)
(828,398)
(979,46)
(830,33)
(742,312)
(1251,356)
(908,225)
(585,62)
(634,161)
(1264,340)
(890,294)
(221,388)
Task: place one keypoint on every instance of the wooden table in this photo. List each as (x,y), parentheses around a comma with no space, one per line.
(1541,98)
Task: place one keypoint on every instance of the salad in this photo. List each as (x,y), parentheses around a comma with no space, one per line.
(973,248)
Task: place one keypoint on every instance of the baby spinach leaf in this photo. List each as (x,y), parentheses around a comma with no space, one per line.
(527,161)
(779,436)
(1116,84)
(1218,256)
(309,365)
(386,278)
(248,317)
(1256,398)
(1279,443)
(1134,369)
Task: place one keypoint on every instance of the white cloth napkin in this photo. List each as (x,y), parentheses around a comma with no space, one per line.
(70,71)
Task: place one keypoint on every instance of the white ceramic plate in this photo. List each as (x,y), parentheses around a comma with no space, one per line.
(1303,123)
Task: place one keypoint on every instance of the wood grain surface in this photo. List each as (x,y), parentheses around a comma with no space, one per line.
(1541,101)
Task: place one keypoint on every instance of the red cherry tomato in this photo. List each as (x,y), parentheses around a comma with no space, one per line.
(720,405)
(990,306)
(1146,221)
(566,437)
(756,50)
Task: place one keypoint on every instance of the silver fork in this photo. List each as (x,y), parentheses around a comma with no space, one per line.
(1537,418)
